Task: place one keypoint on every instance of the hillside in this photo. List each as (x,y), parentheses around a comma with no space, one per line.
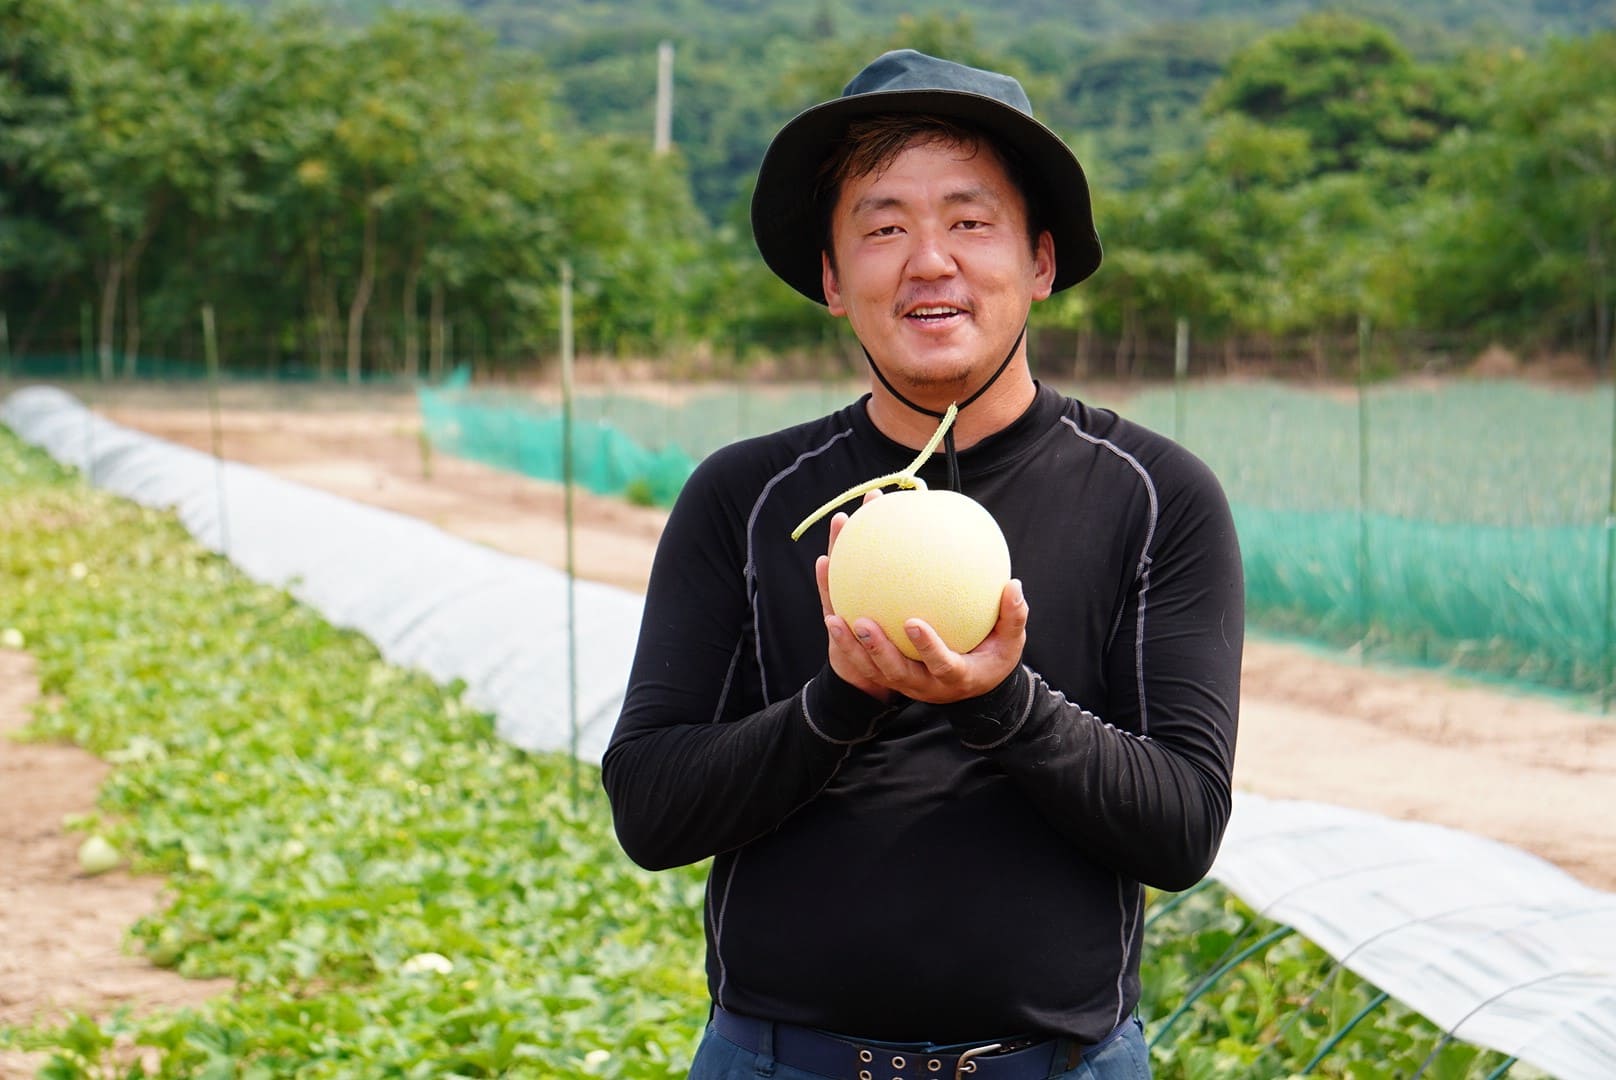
(1121,79)
(539,25)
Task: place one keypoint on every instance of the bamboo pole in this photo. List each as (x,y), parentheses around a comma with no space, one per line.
(662,138)
(1181,369)
(85,351)
(87,365)
(210,346)
(1364,606)
(567,485)
(1609,691)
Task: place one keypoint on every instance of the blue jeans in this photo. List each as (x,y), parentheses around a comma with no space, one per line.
(1122,1056)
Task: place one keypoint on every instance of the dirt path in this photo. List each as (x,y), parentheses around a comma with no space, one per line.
(1519,768)
(63,932)
(1528,770)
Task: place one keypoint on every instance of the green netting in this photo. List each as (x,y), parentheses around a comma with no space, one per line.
(528,439)
(1463,524)
(75,367)
(639,443)
(61,365)
(1524,603)
(699,421)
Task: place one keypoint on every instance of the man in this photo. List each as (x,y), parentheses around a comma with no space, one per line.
(935,867)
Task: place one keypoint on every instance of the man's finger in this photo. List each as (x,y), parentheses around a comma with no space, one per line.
(934,652)
(836,524)
(849,659)
(889,663)
(1013,606)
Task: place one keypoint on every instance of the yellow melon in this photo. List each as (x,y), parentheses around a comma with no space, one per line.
(921,554)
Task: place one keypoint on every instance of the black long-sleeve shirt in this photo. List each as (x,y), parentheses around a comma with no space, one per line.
(914,872)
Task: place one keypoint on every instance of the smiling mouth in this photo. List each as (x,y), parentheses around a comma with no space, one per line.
(931,313)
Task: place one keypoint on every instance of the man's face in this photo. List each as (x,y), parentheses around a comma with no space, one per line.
(934,269)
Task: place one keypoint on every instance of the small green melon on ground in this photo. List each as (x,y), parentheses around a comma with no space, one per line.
(921,554)
(97,856)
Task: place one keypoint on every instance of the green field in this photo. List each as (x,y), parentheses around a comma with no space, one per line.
(1462,452)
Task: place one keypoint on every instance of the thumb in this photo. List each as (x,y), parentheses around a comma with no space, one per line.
(1013,603)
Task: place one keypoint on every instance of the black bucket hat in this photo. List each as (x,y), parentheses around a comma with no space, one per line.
(785,221)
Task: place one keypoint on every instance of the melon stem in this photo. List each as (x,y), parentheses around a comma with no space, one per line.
(904,478)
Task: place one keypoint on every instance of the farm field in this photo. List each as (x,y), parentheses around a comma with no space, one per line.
(1520,768)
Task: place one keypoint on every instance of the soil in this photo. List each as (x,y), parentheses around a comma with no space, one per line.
(64,932)
(1534,771)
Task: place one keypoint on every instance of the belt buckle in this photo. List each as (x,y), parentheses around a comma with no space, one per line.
(966,1065)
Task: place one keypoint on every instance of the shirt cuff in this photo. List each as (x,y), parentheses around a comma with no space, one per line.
(839,712)
(989,721)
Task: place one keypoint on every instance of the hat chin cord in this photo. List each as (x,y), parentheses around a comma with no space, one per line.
(949,450)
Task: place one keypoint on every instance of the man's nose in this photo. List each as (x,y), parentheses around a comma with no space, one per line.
(931,257)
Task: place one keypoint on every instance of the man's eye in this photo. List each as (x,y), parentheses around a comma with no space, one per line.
(971,223)
(886,230)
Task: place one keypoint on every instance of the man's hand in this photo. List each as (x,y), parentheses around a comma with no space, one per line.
(863,656)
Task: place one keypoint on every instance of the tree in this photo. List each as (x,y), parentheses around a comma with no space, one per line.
(128,134)
(38,249)
(1348,85)
(1520,234)
(1138,98)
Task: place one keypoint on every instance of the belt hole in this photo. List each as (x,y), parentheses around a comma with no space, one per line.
(897,1063)
(934,1065)
(864,1074)
(866,1057)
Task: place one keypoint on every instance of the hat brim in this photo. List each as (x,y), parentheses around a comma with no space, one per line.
(785,222)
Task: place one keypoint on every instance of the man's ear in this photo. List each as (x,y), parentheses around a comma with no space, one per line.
(827,279)
(1043,266)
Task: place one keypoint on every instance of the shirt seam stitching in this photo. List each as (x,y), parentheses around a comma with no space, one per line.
(1026,711)
(751,549)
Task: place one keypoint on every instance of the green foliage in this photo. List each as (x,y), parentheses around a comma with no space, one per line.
(1123,80)
(349,199)
(1348,85)
(1228,993)
(365,189)
(1518,227)
(640,492)
(1314,135)
(322,818)
(1340,178)
(1131,100)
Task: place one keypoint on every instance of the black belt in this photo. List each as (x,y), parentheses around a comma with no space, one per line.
(847,1059)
